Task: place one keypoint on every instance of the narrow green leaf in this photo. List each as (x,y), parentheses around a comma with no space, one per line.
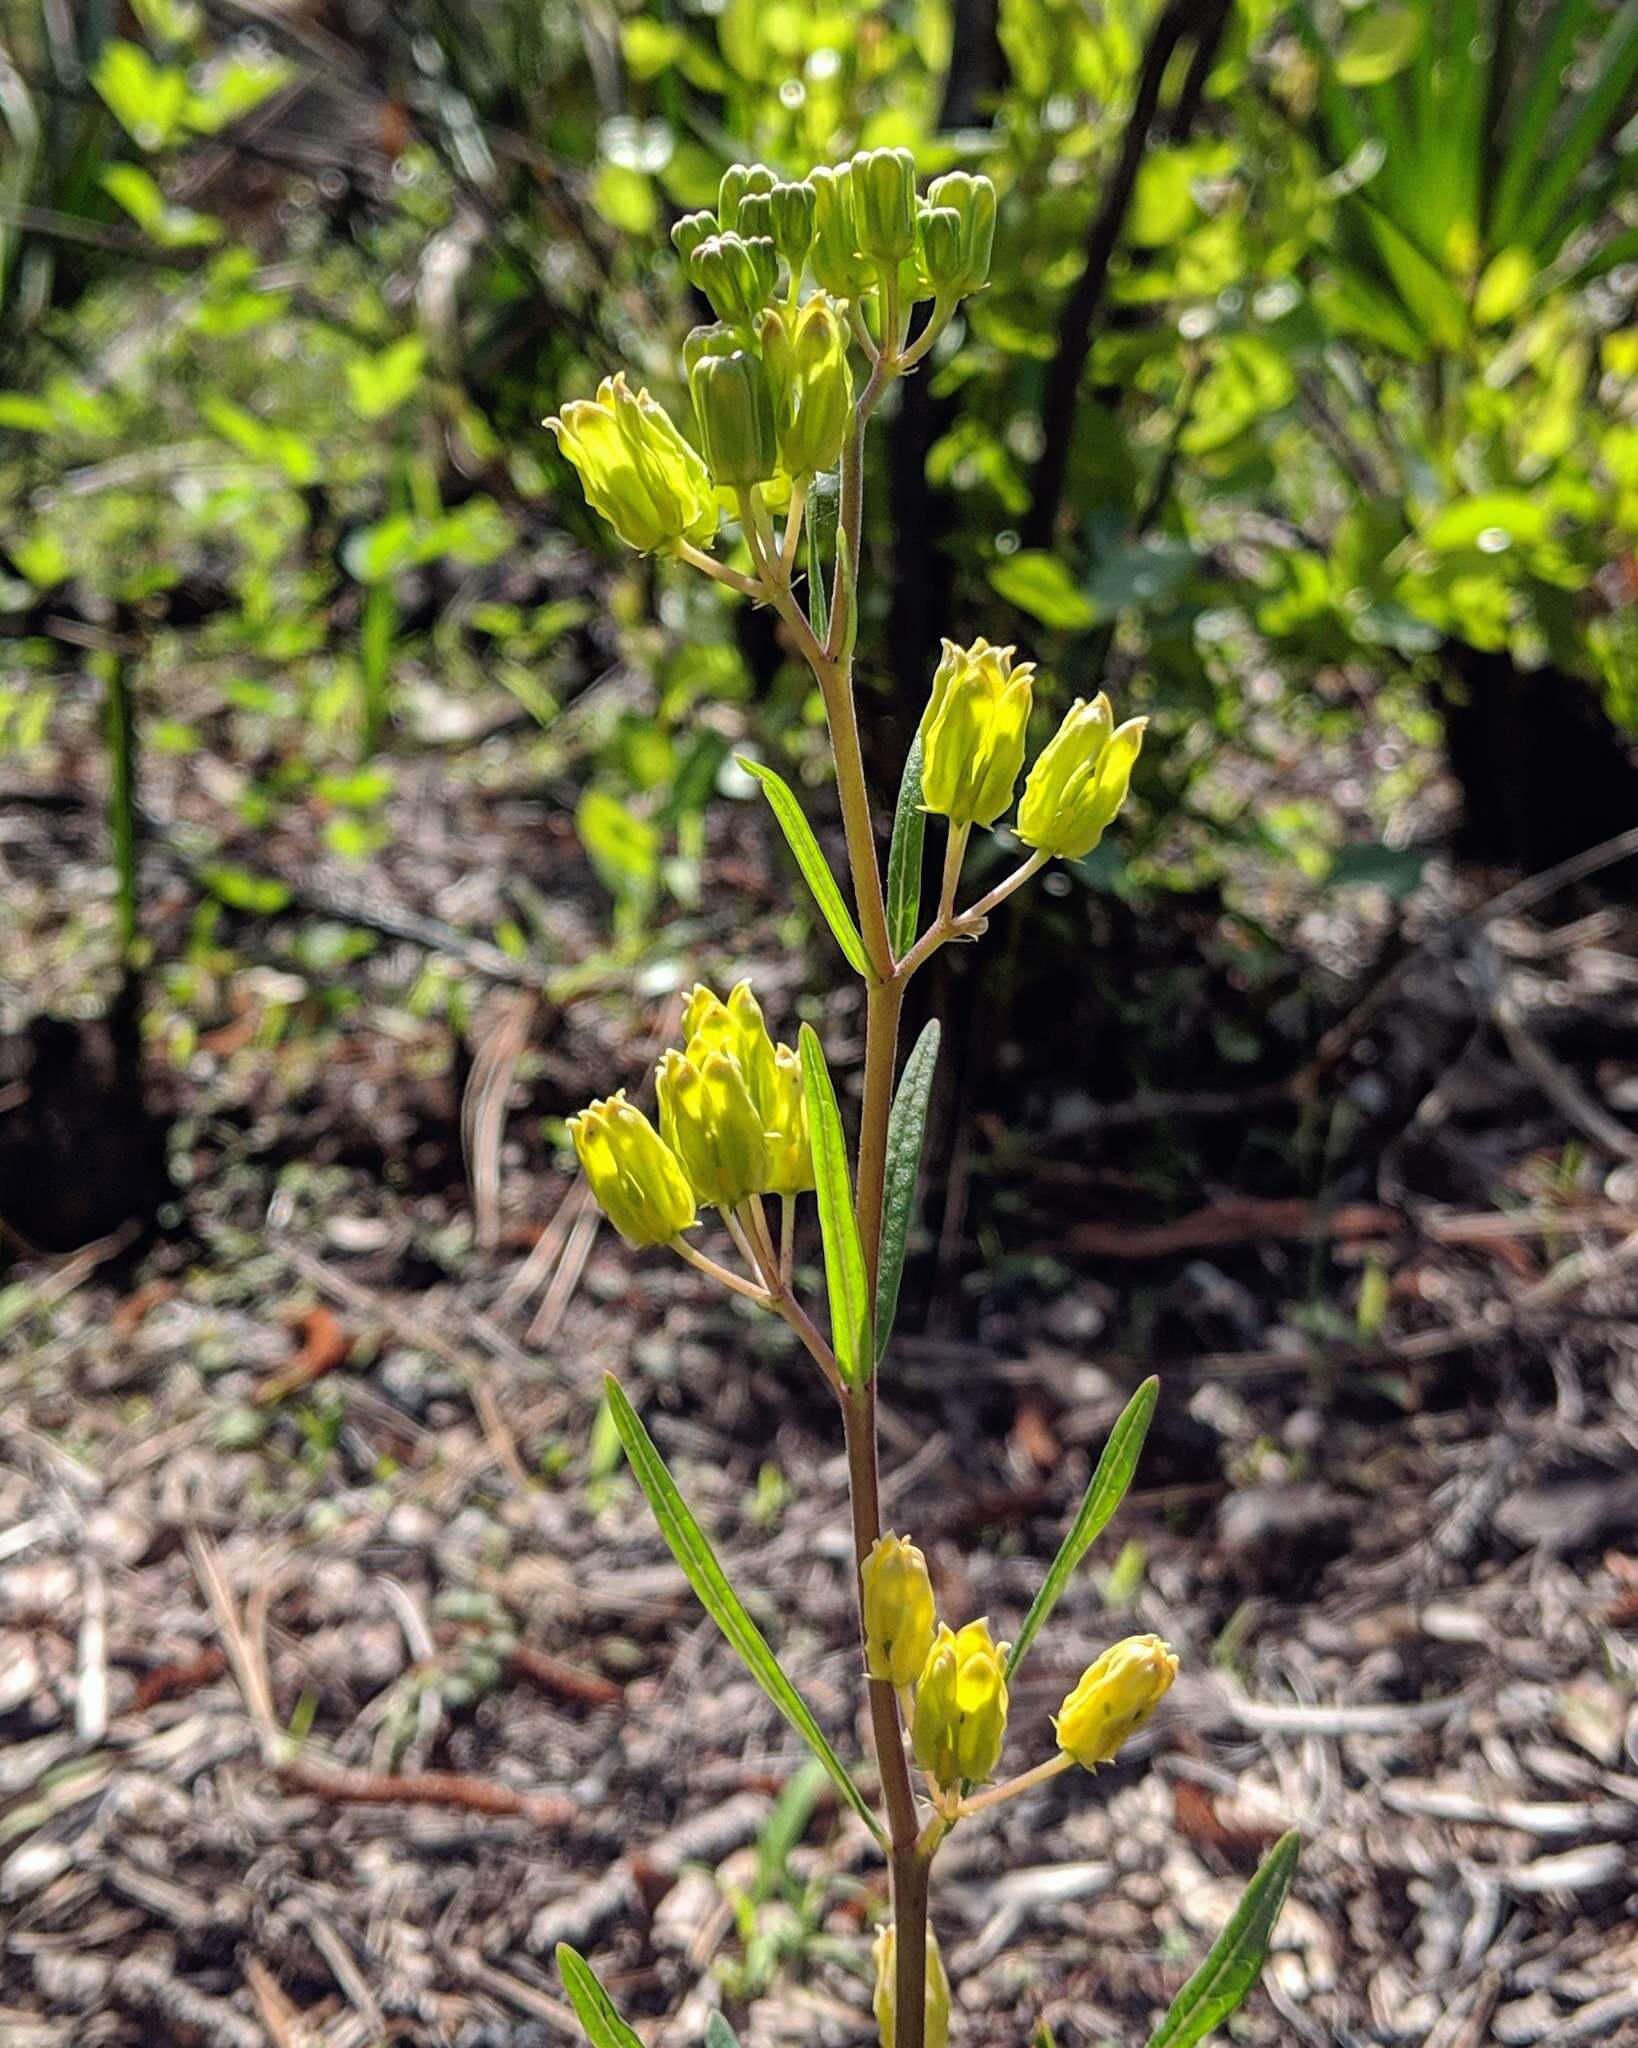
(1103,1496)
(718,2033)
(846,1283)
(1612,74)
(815,869)
(905,1129)
(904,856)
(692,1550)
(1219,1986)
(593,2007)
(824,503)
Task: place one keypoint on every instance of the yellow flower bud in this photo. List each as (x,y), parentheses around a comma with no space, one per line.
(709,1121)
(790,1149)
(898,1610)
(791,207)
(635,467)
(1080,780)
(737,275)
(636,1179)
(811,382)
(972,732)
(1115,1697)
(884,1954)
(738,182)
(960,1718)
(734,1027)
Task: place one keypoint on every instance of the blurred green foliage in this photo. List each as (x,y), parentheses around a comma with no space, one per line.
(282,306)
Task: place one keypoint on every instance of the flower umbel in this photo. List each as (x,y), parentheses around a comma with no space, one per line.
(972,732)
(1114,1698)
(898,1610)
(960,1718)
(635,1177)
(884,1954)
(710,1122)
(1080,780)
(635,467)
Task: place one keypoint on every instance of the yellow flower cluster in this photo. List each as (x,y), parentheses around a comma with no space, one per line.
(733,1123)
(959,1718)
(973,737)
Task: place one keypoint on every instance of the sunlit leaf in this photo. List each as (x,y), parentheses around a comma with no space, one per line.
(1103,1496)
(690,1547)
(593,2007)
(1219,1987)
(811,860)
(1380,39)
(845,1279)
(1038,583)
(904,856)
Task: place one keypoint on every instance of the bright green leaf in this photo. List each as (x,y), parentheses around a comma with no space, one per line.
(1038,583)
(815,869)
(1379,41)
(145,98)
(379,384)
(690,1547)
(1220,1985)
(845,1281)
(593,2007)
(1103,1496)
(176,227)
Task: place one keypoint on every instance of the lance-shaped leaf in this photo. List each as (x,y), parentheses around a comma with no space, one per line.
(815,869)
(846,1282)
(905,1130)
(692,1550)
(593,2007)
(904,856)
(824,503)
(1219,1986)
(1103,1496)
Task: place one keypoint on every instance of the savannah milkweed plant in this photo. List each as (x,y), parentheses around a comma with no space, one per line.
(807,277)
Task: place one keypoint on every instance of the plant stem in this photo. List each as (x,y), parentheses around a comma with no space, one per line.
(122,803)
(720,1274)
(906,1864)
(964,923)
(697,558)
(1026,1781)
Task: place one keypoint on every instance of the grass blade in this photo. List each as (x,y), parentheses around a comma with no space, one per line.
(1103,1496)
(904,856)
(692,1550)
(905,1129)
(846,1284)
(592,2005)
(1219,1986)
(815,869)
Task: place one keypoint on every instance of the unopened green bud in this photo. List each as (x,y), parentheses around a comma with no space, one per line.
(1080,780)
(740,181)
(688,233)
(792,229)
(636,469)
(1114,1698)
(715,339)
(835,260)
(973,732)
(884,203)
(635,1177)
(790,1147)
(972,199)
(734,413)
(756,216)
(811,382)
(938,230)
(960,1719)
(709,1121)
(898,1610)
(936,2020)
(736,275)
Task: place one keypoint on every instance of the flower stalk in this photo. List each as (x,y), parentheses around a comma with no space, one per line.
(743,1120)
